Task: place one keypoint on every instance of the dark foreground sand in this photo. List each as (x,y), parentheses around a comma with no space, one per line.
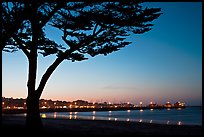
(16,125)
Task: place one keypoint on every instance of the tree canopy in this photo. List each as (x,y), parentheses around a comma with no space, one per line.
(89,28)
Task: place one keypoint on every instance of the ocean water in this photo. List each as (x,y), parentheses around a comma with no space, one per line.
(185,116)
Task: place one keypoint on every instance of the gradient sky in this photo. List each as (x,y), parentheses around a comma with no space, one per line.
(162,65)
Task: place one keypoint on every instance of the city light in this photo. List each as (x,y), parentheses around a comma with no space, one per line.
(140,103)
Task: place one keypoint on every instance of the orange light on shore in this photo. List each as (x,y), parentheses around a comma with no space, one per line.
(140,103)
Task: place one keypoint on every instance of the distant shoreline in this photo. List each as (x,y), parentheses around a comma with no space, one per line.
(17,111)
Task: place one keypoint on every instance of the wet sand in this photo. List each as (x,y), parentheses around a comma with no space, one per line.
(98,127)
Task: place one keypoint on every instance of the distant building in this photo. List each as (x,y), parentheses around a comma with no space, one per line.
(168,105)
(19,103)
(152,105)
(179,104)
(80,103)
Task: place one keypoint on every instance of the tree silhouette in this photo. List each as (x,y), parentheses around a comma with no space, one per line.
(89,29)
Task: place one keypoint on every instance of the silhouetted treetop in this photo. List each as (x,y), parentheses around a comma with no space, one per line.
(89,28)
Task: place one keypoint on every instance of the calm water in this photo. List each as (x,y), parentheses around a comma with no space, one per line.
(186,116)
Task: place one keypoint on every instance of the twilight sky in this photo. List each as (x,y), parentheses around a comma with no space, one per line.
(164,64)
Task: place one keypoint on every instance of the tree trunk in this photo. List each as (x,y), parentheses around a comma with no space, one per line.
(33,119)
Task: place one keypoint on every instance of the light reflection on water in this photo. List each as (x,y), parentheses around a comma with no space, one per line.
(43,116)
(187,116)
(55,115)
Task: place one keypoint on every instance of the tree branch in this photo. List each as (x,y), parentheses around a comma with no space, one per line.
(47,18)
(94,31)
(47,74)
(50,70)
(20,43)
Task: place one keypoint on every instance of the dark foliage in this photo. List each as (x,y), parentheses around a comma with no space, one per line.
(89,28)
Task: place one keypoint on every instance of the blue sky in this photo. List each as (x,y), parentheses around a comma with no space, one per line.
(162,65)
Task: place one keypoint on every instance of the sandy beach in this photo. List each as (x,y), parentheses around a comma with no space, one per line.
(98,127)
